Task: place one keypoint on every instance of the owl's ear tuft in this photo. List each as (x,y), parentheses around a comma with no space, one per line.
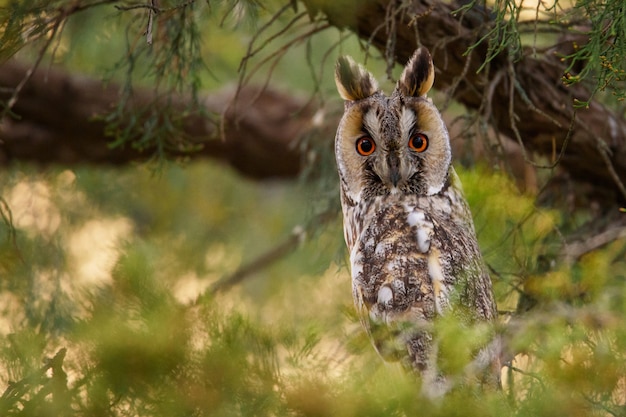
(418,75)
(353,81)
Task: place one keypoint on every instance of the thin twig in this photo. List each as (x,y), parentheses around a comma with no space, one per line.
(276,56)
(263,261)
(317,77)
(384,25)
(533,375)
(531,105)
(245,77)
(392,35)
(251,53)
(58,43)
(151,14)
(31,70)
(81,7)
(154,8)
(602,406)
(138,6)
(243,65)
(16,390)
(58,22)
(515,86)
(457,81)
(284,49)
(573,251)
(605,153)
(295,239)
(7,217)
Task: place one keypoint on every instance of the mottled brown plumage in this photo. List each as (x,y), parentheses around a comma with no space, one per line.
(413,249)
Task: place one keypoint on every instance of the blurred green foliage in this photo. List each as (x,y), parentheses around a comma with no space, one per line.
(108,264)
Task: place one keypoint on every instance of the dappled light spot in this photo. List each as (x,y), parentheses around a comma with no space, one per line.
(11,311)
(95,247)
(189,287)
(33,208)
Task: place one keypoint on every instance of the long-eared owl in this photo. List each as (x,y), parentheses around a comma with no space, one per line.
(413,249)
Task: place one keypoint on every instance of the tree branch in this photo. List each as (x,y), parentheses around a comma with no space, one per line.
(60,121)
(266,259)
(36,381)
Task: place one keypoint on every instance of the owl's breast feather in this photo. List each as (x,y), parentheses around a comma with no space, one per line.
(395,268)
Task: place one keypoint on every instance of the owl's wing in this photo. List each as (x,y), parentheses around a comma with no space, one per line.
(473,281)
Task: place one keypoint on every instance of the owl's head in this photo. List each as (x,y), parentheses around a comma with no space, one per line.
(390,145)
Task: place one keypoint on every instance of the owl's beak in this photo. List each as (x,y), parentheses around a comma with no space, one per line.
(393,164)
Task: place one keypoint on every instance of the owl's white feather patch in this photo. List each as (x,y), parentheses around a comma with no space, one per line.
(424,229)
(407,120)
(416,218)
(434,189)
(435,272)
(356,261)
(381,249)
(385,295)
(372,123)
(376,315)
(423,239)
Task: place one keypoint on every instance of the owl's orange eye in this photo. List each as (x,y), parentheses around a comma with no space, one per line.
(418,142)
(365,146)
